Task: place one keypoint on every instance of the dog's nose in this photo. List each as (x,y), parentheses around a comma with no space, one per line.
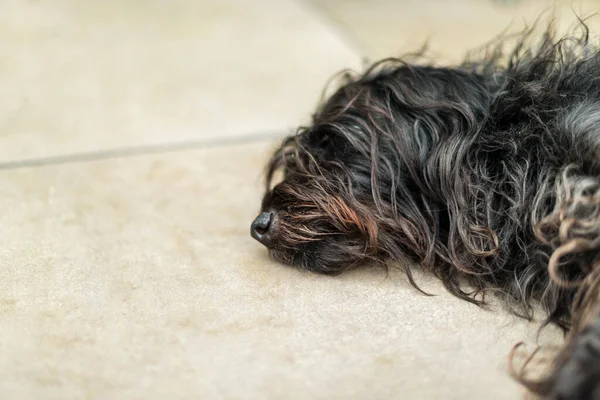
(262,228)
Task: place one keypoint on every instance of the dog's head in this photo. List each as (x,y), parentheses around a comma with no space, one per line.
(317,217)
(354,184)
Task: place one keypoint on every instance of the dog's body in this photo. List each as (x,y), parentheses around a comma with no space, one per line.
(486,175)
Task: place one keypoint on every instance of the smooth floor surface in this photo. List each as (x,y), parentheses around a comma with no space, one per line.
(133,136)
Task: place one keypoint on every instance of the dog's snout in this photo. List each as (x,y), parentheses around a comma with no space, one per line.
(262,228)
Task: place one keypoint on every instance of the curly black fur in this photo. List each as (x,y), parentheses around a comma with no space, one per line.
(486,174)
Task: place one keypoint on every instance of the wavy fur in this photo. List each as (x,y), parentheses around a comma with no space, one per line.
(486,174)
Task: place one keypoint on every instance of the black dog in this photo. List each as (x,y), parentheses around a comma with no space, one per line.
(486,174)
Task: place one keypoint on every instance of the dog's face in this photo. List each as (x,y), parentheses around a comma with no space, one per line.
(320,215)
(314,218)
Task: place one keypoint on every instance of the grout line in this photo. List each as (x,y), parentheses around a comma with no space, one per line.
(338,27)
(142,150)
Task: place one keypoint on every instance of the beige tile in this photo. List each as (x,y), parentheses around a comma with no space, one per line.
(137,279)
(80,76)
(388,28)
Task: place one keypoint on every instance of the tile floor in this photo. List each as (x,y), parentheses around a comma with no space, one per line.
(132,139)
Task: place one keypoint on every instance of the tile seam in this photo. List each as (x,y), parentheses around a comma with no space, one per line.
(134,151)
